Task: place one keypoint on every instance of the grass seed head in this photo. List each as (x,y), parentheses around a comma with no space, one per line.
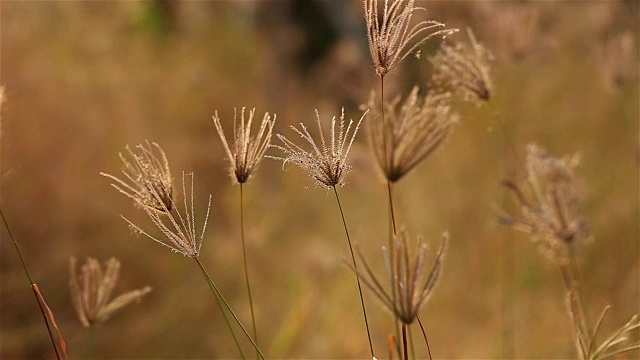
(326,161)
(247,151)
(552,213)
(413,283)
(392,36)
(178,229)
(91,290)
(463,70)
(147,178)
(414,128)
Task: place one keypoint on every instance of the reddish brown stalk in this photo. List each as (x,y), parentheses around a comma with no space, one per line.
(246,271)
(404,341)
(44,309)
(48,317)
(424,333)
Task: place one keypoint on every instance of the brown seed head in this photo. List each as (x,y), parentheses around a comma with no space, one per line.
(414,129)
(463,70)
(179,230)
(147,179)
(247,151)
(552,213)
(391,35)
(325,162)
(413,285)
(91,291)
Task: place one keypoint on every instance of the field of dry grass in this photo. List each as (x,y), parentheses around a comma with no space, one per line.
(84,79)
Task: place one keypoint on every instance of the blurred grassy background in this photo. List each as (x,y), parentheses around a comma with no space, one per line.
(84,79)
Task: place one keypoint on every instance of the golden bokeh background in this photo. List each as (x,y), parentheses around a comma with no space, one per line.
(84,79)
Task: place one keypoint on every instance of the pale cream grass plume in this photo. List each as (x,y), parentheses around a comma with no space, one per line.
(552,215)
(247,151)
(392,36)
(179,230)
(147,178)
(415,128)
(412,283)
(325,162)
(619,59)
(91,290)
(463,70)
(614,345)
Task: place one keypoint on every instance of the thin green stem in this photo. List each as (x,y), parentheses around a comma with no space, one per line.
(503,129)
(355,266)
(391,210)
(15,243)
(216,295)
(32,284)
(424,333)
(246,271)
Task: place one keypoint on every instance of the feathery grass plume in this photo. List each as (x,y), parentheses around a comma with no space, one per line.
(325,162)
(552,217)
(416,127)
(247,151)
(91,291)
(179,229)
(392,37)
(614,345)
(147,177)
(619,59)
(463,70)
(412,283)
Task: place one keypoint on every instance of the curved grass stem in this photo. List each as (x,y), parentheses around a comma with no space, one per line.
(355,266)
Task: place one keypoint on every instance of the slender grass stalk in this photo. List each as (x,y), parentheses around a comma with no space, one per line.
(424,333)
(507,139)
(218,295)
(355,266)
(411,347)
(91,343)
(246,271)
(33,286)
(404,341)
(391,211)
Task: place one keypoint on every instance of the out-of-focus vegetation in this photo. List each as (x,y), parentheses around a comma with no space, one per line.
(84,79)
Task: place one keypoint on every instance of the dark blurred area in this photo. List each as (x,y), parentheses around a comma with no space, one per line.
(84,79)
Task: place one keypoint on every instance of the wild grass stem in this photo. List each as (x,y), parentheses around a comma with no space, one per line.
(218,295)
(355,266)
(246,271)
(424,333)
(34,287)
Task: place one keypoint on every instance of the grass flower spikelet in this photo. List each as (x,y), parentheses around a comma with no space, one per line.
(247,152)
(91,290)
(326,162)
